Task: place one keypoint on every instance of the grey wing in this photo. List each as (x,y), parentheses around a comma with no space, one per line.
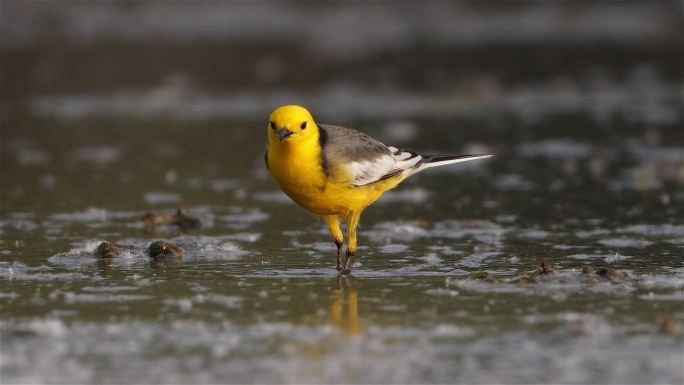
(350,152)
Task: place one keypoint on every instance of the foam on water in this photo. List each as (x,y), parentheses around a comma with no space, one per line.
(454,23)
(72,261)
(590,256)
(105,297)
(445,250)
(589,346)
(393,248)
(674,296)
(271,197)
(209,248)
(442,292)
(555,148)
(244,216)
(513,182)
(478,259)
(591,233)
(386,231)
(160,198)
(18,224)
(659,230)
(432,259)
(244,237)
(483,231)
(186,304)
(587,349)
(657,281)
(100,155)
(22,272)
(530,104)
(616,258)
(535,234)
(107,289)
(92,214)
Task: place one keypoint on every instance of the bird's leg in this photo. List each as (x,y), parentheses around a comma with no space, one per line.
(333,222)
(340,253)
(352,223)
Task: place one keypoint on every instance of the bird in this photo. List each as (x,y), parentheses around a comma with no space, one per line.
(336,172)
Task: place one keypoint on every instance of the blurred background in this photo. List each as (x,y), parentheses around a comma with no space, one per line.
(110,110)
(115,95)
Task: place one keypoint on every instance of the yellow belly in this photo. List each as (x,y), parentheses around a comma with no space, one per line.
(337,200)
(305,182)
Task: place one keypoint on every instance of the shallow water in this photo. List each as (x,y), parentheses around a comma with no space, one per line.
(100,127)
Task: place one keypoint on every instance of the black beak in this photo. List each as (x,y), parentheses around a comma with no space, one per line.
(284,133)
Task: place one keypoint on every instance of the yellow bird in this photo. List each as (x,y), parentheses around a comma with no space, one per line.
(336,172)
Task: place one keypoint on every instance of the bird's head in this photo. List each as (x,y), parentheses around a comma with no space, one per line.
(290,125)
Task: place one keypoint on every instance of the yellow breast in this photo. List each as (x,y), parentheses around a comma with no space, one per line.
(299,172)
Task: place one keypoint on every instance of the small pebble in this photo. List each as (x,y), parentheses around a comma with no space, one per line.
(164,249)
(107,250)
(543,269)
(180,219)
(668,327)
(484,276)
(614,276)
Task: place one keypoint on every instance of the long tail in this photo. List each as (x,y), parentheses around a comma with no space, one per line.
(428,161)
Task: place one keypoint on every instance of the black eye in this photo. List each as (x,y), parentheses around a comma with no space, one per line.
(303,126)
(272,126)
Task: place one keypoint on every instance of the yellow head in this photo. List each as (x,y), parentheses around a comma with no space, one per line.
(290,125)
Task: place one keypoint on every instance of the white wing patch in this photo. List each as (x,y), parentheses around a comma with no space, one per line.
(385,166)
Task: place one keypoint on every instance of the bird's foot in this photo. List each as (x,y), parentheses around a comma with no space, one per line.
(348,264)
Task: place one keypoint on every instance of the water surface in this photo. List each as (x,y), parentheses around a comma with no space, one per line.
(102,125)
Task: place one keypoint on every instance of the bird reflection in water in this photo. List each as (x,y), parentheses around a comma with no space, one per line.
(350,324)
